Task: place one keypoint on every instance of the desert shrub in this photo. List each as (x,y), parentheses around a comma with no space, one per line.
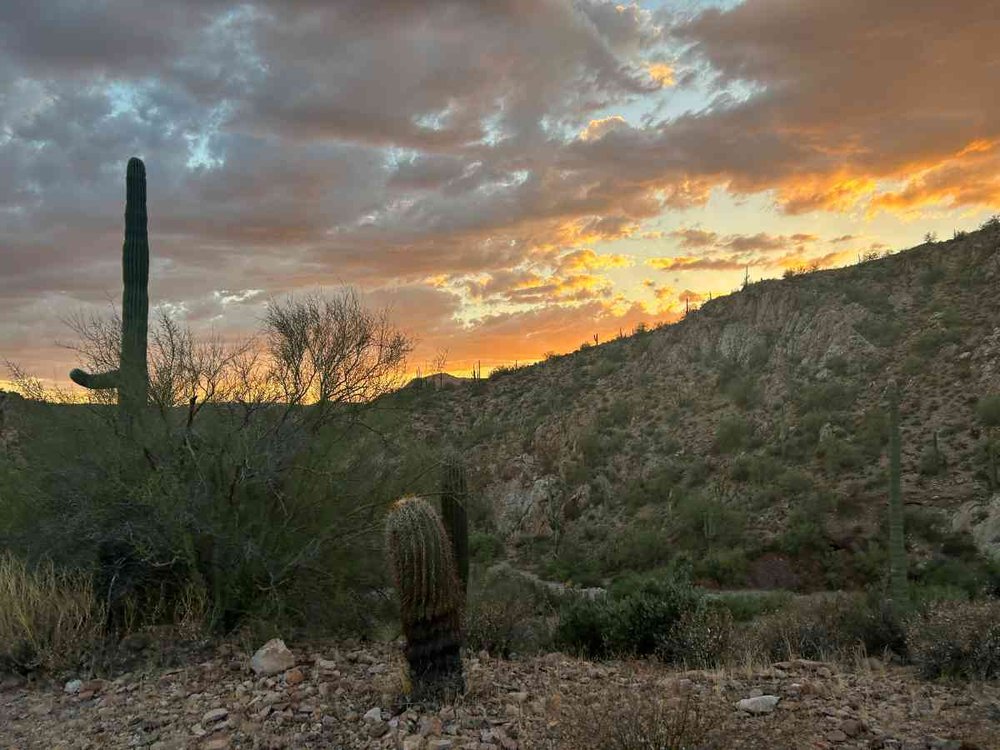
(703,521)
(48,617)
(794,482)
(869,296)
(747,606)
(837,453)
(629,720)
(639,547)
(872,431)
(928,342)
(507,613)
(825,626)
(484,547)
(756,469)
(742,391)
(956,639)
(575,560)
(253,483)
(703,638)
(833,395)
(725,565)
(732,434)
(879,330)
(988,410)
(645,615)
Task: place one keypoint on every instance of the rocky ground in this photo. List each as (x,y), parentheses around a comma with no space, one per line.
(339,695)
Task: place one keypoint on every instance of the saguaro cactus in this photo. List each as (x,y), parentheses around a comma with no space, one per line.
(132,376)
(897,544)
(454,514)
(431,597)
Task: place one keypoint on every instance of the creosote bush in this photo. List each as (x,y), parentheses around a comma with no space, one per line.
(648,615)
(508,614)
(826,626)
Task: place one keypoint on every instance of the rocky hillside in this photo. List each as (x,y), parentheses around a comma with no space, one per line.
(751,435)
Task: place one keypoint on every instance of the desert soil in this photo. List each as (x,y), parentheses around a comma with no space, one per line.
(341,694)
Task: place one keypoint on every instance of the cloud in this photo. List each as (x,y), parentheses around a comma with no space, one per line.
(495,145)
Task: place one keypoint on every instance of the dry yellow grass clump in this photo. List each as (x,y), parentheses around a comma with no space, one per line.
(47,616)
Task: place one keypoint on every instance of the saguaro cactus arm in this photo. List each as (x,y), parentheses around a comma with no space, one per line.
(97,381)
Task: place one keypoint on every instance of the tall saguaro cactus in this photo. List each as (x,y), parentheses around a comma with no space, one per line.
(454,514)
(430,595)
(132,376)
(897,544)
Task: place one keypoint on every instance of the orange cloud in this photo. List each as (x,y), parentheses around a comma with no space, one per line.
(661,73)
(597,129)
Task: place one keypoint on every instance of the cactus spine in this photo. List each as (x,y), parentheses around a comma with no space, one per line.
(430,595)
(454,496)
(132,376)
(897,544)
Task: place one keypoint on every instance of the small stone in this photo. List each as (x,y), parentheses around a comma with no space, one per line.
(431,725)
(836,736)
(413,742)
(86,695)
(761,704)
(377,728)
(214,716)
(272,658)
(518,696)
(294,676)
(73,686)
(373,714)
(851,727)
(217,742)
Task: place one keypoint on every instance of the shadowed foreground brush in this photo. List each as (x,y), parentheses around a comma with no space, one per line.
(47,617)
(431,597)
(635,721)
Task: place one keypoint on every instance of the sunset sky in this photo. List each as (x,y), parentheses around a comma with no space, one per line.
(509,176)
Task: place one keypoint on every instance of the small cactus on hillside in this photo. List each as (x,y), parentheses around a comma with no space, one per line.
(897,543)
(430,595)
(132,376)
(454,514)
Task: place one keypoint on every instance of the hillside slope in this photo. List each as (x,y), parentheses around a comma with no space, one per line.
(751,435)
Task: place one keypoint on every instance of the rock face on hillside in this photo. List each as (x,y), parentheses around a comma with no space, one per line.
(758,423)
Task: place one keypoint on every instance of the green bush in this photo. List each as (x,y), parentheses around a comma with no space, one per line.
(642,615)
(957,639)
(484,548)
(988,410)
(732,434)
(747,606)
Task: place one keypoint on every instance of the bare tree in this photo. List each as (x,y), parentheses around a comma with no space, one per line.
(332,350)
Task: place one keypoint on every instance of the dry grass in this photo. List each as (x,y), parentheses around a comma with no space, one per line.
(631,720)
(48,617)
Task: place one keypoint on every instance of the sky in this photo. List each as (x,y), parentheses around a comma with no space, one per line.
(508,177)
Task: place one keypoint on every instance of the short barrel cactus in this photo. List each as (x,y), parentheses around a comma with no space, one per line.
(431,598)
